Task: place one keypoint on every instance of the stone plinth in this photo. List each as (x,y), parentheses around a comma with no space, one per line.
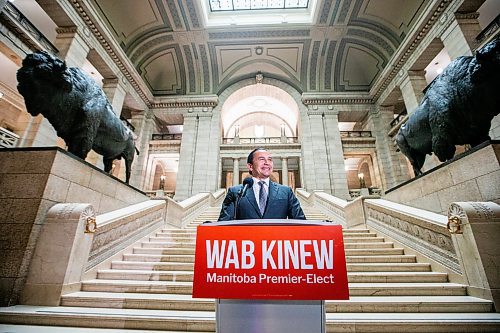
(31,182)
(471,176)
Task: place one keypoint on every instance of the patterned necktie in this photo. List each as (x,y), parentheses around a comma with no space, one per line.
(262,197)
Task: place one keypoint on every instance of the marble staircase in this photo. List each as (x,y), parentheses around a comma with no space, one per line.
(150,289)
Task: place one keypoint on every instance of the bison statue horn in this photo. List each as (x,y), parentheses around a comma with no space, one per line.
(456,109)
(77,108)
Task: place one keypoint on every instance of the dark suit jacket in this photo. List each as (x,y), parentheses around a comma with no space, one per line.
(281,203)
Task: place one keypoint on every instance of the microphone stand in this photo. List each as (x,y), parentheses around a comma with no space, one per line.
(236,201)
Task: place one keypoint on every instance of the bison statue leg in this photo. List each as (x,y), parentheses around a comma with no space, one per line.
(415,157)
(443,133)
(108,164)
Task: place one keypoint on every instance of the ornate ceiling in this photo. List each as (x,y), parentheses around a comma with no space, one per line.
(345,49)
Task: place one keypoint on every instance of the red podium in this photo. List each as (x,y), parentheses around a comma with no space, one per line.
(270,275)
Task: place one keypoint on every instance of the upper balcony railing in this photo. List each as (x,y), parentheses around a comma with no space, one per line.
(355,134)
(16,16)
(7,138)
(398,118)
(270,140)
(166,136)
(490,30)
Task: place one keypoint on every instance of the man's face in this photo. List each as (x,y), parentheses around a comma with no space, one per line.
(262,165)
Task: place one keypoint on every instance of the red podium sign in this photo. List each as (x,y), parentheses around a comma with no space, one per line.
(297,262)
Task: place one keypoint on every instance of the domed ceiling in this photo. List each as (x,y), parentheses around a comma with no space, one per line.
(177,49)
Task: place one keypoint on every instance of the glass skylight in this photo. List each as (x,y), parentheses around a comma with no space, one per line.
(234,5)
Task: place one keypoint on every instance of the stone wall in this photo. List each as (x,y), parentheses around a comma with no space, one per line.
(33,180)
(472,176)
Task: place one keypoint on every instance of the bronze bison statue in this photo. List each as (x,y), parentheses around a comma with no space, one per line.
(457,108)
(77,108)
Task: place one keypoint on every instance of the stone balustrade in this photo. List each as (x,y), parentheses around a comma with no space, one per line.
(182,213)
(120,228)
(8,139)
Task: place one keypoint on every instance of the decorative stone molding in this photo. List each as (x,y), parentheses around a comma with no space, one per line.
(82,11)
(410,47)
(335,100)
(420,230)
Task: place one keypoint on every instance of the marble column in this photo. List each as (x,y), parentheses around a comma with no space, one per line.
(320,152)
(388,158)
(186,158)
(144,126)
(236,171)
(335,154)
(72,46)
(284,171)
(460,37)
(115,92)
(412,86)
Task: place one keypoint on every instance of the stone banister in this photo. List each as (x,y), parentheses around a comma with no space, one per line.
(60,254)
(419,230)
(423,231)
(329,205)
(180,214)
(121,228)
(475,230)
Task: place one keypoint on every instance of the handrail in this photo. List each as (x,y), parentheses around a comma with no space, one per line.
(120,228)
(182,213)
(420,230)
(423,231)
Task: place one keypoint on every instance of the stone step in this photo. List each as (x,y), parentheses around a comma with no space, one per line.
(354,304)
(159,258)
(351,267)
(190,250)
(169,251)
(182,321)
(355,289)
(61,329)
(168,256)
(163,320)
(349,239)
(160,244)
(358,277)
(382,258)
(183,244)
(160,266)
(368,245)
(170,238)
(374,252)
(388,267)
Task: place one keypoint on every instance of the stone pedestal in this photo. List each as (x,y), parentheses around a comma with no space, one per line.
(471,176)
(32,180)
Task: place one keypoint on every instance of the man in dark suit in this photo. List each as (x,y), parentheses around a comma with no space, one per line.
(265,199)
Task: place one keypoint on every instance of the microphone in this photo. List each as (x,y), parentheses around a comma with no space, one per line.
(247,182)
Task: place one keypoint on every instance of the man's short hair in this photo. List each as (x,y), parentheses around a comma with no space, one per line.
(250,156)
